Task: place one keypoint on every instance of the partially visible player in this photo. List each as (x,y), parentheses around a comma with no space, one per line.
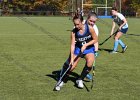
(121,21)
(83,38)
(91,20)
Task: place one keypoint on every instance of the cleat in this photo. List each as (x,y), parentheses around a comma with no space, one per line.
(80,83)
(124,49)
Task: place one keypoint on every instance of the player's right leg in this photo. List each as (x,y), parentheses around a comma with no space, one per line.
(89,76)
(116,42)
(124,46)
(65,67)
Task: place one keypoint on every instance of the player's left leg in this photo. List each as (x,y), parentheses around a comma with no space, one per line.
(124,46)
(89,76)
(88,66)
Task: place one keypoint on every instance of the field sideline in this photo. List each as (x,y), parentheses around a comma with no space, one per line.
(31,48)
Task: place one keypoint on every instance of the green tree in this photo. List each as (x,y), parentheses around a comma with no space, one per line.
(135,4)
(109,2)
(60,5)
(63,4)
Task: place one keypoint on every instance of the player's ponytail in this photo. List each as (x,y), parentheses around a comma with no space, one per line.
(78,16)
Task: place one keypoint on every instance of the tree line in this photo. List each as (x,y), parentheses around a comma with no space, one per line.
(62,5)
(32,5)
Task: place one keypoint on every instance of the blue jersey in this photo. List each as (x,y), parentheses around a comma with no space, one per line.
(84,38)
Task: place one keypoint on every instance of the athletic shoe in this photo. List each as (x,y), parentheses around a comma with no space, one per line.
(113,52)
(124,49)
(80,83)
(89,76)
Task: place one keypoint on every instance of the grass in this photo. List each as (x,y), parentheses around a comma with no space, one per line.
(31,48)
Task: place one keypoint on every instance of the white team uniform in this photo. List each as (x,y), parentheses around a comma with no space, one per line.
(119,20)
(94,27)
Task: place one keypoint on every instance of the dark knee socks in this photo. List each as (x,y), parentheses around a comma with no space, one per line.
(85,71)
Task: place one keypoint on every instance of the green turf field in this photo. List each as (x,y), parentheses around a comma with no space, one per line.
(31,48)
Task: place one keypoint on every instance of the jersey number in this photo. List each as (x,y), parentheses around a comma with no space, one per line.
(84,42)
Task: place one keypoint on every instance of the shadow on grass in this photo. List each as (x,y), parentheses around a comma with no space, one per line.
(133,34)
(72,77)
(56,75)
(103,49)
(107,50)
(69,30)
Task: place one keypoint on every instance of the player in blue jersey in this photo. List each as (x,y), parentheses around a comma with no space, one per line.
(121,21)
(83,38)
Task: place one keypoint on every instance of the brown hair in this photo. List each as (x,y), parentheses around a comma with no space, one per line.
(114,8)
(78,16)
(92,14)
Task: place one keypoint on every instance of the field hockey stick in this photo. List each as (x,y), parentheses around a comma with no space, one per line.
(62,76)
(60,79)
(93,74)
(108,38)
